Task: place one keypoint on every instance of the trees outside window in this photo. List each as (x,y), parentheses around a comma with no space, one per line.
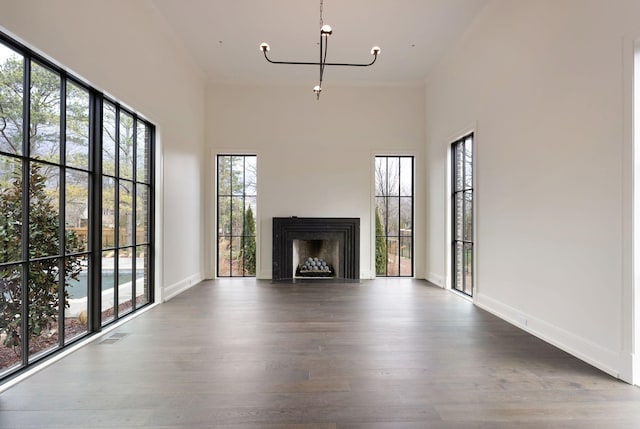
(462,252)
(236,207)
(56,256)
(394,215)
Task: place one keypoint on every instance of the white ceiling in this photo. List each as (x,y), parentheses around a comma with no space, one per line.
(223,37)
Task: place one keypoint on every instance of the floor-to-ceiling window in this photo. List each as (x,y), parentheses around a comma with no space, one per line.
(126,191)
(58,260)
(394,216)
(236,211)
(462,215)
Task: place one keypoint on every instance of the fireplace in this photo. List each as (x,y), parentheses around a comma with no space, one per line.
(319,243)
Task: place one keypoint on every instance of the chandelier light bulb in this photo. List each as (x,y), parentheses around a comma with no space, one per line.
(317,89)
(375,50)
(326,29)
(264,47)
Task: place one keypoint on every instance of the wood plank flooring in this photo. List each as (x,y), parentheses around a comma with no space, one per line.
(242,353)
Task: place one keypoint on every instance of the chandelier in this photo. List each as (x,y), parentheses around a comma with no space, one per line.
(325,32)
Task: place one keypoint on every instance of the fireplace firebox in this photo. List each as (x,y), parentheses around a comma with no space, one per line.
(316,248)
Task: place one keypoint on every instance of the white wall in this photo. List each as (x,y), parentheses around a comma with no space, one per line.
(315,158)
(122,48)
(543,83)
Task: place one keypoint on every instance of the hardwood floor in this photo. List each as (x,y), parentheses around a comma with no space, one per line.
(378,354)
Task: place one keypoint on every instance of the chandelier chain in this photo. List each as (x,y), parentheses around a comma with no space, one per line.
(321,22)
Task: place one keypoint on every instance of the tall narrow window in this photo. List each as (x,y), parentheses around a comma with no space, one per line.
(126,208)
(236,215)
(462,214)
(394,216)
(59,176)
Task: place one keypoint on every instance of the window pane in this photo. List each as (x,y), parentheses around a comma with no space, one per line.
(108,277)
(468,268)
(126,159)
(458,154)
(468,163)
(393,221)
(10,317)
(381,208)
(468,215)
(125,214)
(236,256)
(393,258)
(142,214)
(125,283)
(224,256)
(381,176)
(406,256)
(381,246)
(77,150)
(250,175)
(44,305)
(249,239)
(142,153)
(45,114)
(108,212)
(458,231)
(10,209)
(11,100)
(237,216)
(224,175)
(393,176)
(76,291)
(76,211)
(406,176)
(44,211)
(109,139)
(406,216)
(142,275)
(458,274)
(250,203)
(237,175)
(224,216)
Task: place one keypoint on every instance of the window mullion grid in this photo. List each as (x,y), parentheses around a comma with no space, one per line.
(134,214)
(94,291)
(454,213)
(116,218)
(62,198)
(386,216)
(244,227)
(230,216)
(398,245)
(469,141)
(25,241)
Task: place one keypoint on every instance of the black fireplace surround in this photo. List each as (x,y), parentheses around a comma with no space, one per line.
(344,230)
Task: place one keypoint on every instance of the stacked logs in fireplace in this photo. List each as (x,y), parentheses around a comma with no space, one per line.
(314,267)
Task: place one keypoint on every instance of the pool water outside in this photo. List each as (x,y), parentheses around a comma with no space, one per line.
(78,288)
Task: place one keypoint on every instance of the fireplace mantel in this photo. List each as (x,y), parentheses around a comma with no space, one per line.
(345,230)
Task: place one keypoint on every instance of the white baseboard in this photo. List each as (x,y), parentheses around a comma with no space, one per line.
(636,369)
(264,275)
(610,361)
(436,279)
(181,286)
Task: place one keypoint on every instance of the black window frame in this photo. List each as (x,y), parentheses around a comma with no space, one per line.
(93,250)
(231,196)
(388,238)
(463,239)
